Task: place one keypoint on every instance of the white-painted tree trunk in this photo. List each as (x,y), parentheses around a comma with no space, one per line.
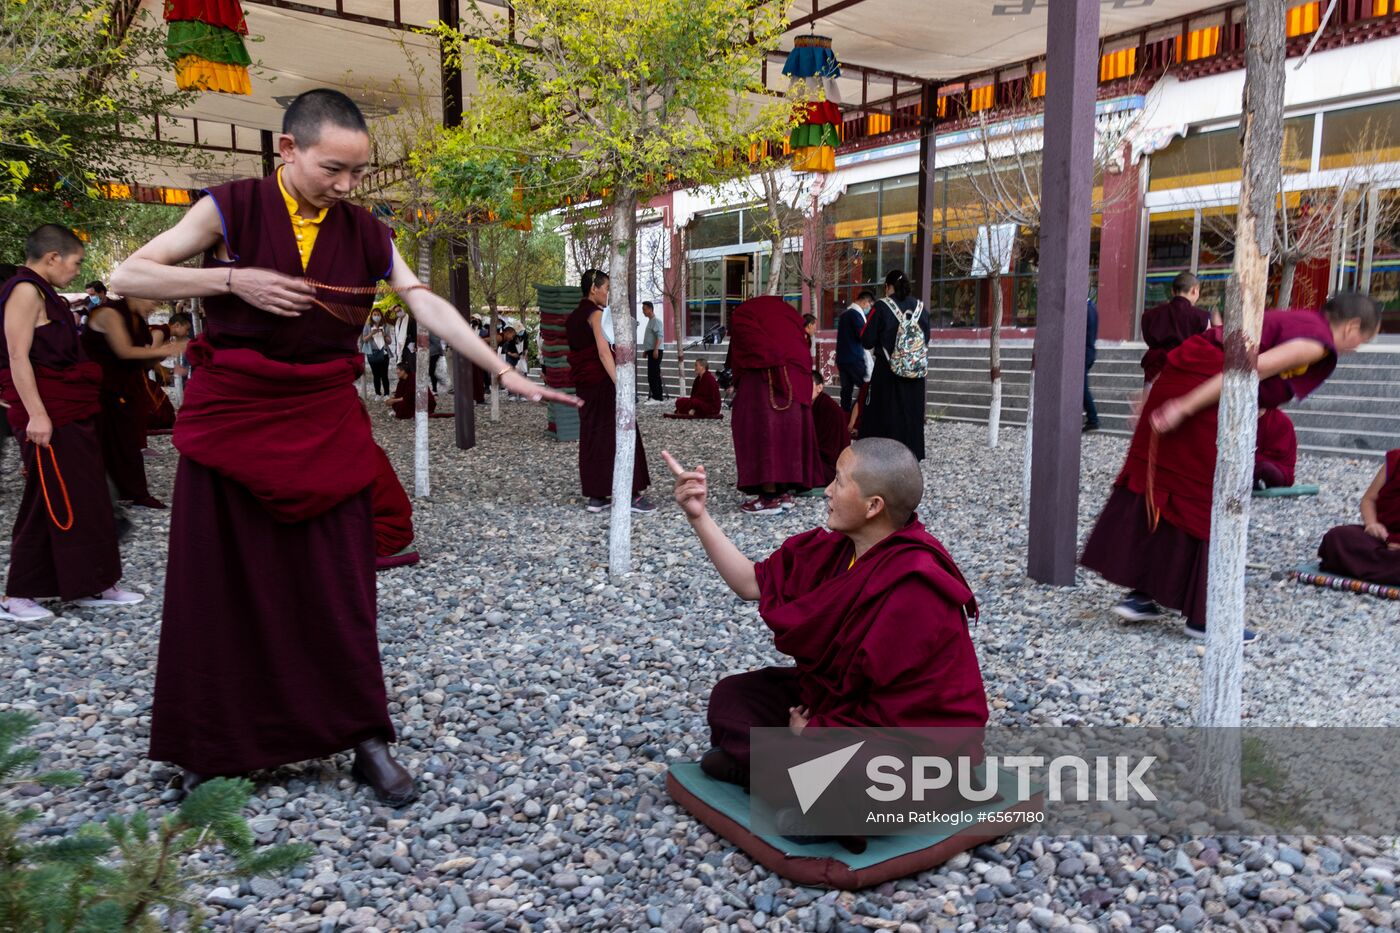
(624,235)
(994,348)
(994,415)
(421,486)
(1222,675)
(1027,459)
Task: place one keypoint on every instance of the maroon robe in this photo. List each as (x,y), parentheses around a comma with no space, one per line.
(704,398)
(1155,540)
(393,512)
(833,435)
(881,642)
(1166,327)
(121,427)
(160,414)
(1275,450)
(405,403)
(268,649)
(775,441)
(1348,550)
(597,434)
(46,560)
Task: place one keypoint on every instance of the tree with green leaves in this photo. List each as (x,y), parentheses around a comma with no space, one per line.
(76,100)
(613,100)
(114,875)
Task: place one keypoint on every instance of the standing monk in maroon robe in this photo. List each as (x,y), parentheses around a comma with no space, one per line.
(1370,551)
(268,649)
(1153,534)
(775,442)
(65,539)
(1168,326)
(112,340)
(1275,450)
(704,400)
(830,421)
(595,379)
(874,614)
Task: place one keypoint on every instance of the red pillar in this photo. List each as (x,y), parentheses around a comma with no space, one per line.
(1119,251)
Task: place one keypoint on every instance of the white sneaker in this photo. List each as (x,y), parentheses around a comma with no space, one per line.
(111,596)
(19,609)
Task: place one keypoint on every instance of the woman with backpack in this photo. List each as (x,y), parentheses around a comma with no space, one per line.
(897,332)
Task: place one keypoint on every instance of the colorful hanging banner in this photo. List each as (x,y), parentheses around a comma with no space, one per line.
(814,140)
(204,39)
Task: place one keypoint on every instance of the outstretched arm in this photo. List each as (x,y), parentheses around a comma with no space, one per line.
(691,490)
(1295,354)
(154,270)
(107,323)
(439,316)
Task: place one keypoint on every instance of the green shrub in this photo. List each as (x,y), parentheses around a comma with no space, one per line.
(121,873)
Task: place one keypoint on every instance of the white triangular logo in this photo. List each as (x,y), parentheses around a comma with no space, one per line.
(811,778)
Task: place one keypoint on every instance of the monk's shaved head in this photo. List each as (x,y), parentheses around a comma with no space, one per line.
(886,468)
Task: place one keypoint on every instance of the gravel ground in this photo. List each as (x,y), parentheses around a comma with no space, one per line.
(539,705)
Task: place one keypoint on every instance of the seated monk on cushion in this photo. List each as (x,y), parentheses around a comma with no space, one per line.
(829,418)
(1370,551)
(1275,450)
(874,614)
(403,401)
(704,399)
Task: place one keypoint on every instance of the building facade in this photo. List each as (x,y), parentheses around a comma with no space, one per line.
(1167,182)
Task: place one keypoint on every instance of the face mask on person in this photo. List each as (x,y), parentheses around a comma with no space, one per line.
(94,300)
(376,318)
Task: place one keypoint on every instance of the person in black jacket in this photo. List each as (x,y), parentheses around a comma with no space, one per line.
(850,355)
(895,408)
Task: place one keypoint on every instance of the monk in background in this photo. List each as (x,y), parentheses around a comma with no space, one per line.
(1153,535)
(403,402)
(118,340)
(1275,450)
(874,613)
(1370,551)
(64,543)
(1167,326)
(595,379)
(704,400)
(775,442)
(829,418)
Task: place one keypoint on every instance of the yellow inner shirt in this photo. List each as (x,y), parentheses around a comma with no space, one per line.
(304,228)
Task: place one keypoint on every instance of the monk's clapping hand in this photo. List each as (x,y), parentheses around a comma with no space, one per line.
(692,488)
(273,292)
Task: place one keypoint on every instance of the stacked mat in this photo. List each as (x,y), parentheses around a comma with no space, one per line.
(556,303)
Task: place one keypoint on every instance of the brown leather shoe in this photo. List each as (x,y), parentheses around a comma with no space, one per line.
(374,765)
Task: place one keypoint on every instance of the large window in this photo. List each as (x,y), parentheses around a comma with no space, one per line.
(1213,158)
(1361,136)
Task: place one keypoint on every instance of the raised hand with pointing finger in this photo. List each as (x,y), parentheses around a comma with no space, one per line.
(692,487)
